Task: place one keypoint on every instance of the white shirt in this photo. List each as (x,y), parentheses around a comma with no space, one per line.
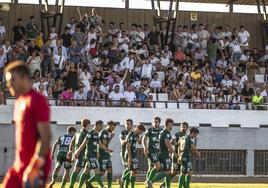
(243,37)
(104,89)
(91,36)
(80,96)
(146,71)
(140,37)
(221,63)
(3,60)
(59,60)
(116,96)
(127,63)
(227,83)
(165,61)
(154,60)
(129,96)
(155,84)
(264,93)
(53,37)
(2,30)
(6,49)
(64,51)
(235,46)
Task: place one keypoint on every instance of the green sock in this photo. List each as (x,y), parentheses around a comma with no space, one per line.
(148,173)
(132,180)
(126,180)
(187,181)
(181,181)
(109,179)
(158,177)
(83,179)
(54,177)
(124,173)
(73,179)
(172,176)
(98,179)
(152,174)
(168,181)
(63,183)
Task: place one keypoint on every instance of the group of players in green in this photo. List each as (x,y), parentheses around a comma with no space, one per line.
(89,149)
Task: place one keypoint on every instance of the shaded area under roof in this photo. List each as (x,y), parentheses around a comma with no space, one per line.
(244,2)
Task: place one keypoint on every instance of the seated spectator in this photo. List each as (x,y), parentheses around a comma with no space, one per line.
(3,60)
(80,97)
(39,39)
(247,93)
(155,84)
(130,96)
(142,98)
(196,74)
(43,91)
(257,99)
(94,96)
(221,101)
(179,56)
(165,60)
(116,97)
(67,97)
(58,88)
(210,100)
(264,91)
(234,99)
(175,94)
(197,100)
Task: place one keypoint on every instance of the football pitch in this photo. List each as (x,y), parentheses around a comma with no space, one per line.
(196,185)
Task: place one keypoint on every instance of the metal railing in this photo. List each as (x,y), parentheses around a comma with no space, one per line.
(152,104)
(261,162)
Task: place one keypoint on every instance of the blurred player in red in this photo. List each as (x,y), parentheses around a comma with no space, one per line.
(31,114)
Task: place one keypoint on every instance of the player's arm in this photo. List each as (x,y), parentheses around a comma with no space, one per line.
(144,144)
(168,145)
(122,140)
(56,143)
(129,152)
(72,144)
(103,145)
(194,150)
(44,132)
(81,147)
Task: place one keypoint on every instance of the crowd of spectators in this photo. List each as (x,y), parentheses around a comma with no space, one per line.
(209,66)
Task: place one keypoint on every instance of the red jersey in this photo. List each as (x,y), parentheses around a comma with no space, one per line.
(30,109)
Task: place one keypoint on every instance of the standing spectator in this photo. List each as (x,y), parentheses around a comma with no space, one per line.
(19,31)
(34,62)
(46,51)
(74,52)
(243,37)
(112,31)
(197,100)
(2,31)
(7,49)
(31,29)
(140,36)
(153,37)
(85,78)
(235,50)
(3,60)
(39,39)
(179,56)
(72,25)
(59,62)
(67,97)
(147,69)
(79,37)
(203,36)
(212,52)
(53,36)
(66,38)
(71,79)
(263,91)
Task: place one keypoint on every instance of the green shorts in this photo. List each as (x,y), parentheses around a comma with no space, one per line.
(80,162)
(62,160)
(152,159)
(134,164)
(165,161)
(175,165)
(186,166)
(105,164)
(92,163)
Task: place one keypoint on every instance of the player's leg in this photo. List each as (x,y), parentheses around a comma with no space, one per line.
(133,178)
(80,164)
(96,177)
(184,167)
(156,166)
(109,174)
(150,166)
(174,172)
(66,175)
(84,176)
(60,160)
(188,175)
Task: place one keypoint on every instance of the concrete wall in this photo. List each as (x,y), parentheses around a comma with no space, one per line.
(219,136)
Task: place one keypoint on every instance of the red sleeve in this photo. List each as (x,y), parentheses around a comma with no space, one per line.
(41,109)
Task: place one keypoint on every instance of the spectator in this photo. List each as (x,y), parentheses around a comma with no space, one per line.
(116,97)
(34,62)
(43,91)
(39,39)
(80,97)
(179,56)
(67,97)
(129,96)
(53,36)
(197,100)
(263,91)
(247,93)
(74,52)
(175,94)
(71,79)
(31,29)
(2,95)
(85,78)
(153,37)
(147,69)
(210,100)
(46,51)
(142,98)
(155,84)
(212,52)
(244,37)
(2,31)
(66,38)
(234,100)
(79,37)
(257,99)
(58,88)
(59,62)
(221,102)
(19,31)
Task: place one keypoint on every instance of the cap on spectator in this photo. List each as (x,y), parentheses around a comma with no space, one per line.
(66,28)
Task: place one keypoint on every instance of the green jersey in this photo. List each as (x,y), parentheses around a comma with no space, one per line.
(104,136)
(185,147)
(80,137)
(164,135)
(64,143)
(153,140)
(92,144)
(132,139)
(123,136)
(177,137)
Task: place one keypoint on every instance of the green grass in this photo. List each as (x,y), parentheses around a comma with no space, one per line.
(200,185)
(194,185)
